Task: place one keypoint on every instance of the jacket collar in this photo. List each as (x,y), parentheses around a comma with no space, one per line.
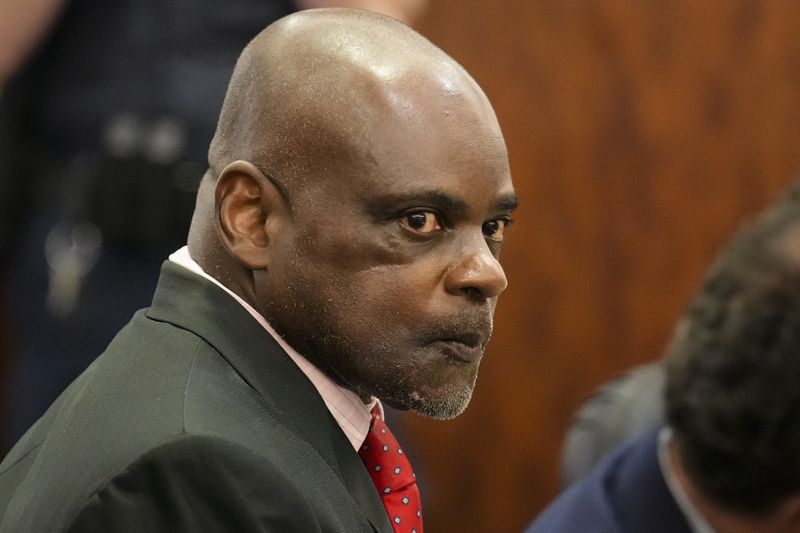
(639,493)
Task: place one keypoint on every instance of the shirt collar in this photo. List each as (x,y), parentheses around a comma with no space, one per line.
(352,415)
(696,521)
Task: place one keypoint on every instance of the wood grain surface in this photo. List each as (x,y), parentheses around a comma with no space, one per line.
(640,132)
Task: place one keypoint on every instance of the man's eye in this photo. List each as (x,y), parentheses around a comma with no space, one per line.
(421,222)
(494,229)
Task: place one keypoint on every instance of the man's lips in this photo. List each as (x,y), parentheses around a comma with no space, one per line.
(463,347)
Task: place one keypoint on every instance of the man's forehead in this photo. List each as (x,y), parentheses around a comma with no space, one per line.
(418,155)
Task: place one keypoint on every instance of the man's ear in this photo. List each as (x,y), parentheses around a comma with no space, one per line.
(248,207)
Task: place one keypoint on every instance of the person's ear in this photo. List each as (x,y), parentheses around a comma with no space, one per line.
(249,209)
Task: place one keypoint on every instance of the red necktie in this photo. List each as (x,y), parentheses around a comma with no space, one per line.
(391,472)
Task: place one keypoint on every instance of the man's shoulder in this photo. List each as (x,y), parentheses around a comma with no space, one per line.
(584,506)
(174,418)
(191,475)
(201,478)
(128,401)
(128,404)
(162,420)
(608,500)
(183,450)
(211,483)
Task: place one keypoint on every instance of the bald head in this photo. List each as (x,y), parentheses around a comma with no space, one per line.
(324,94)
(310,90)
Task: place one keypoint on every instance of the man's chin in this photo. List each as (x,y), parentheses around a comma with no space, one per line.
(439,393)
(443,405)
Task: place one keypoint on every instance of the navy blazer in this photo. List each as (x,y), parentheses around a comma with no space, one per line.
(626,493)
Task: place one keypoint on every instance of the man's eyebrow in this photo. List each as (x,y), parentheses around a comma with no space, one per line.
(509,203)
(379,205)
(390,203)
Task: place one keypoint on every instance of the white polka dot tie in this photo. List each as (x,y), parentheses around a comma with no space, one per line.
(391,472)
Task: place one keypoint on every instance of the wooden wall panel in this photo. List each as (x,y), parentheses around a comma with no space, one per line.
(640,133)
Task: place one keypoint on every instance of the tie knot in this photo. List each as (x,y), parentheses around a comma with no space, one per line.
(380,449)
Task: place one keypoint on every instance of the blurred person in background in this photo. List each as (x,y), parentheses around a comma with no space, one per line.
(105,114)
(728,458)
(619,410)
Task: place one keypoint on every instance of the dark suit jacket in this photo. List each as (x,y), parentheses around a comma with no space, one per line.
(626,493)
(194,419)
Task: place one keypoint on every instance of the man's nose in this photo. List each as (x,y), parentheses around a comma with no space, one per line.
(476,271)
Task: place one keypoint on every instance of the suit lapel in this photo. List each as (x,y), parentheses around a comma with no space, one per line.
(188,301)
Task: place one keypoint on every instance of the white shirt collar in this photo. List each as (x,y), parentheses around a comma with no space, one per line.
(352,415)
(697,523)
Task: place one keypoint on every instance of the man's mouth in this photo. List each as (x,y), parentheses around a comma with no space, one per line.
(463,347)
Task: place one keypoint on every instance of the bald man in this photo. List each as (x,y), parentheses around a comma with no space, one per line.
(343,252)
